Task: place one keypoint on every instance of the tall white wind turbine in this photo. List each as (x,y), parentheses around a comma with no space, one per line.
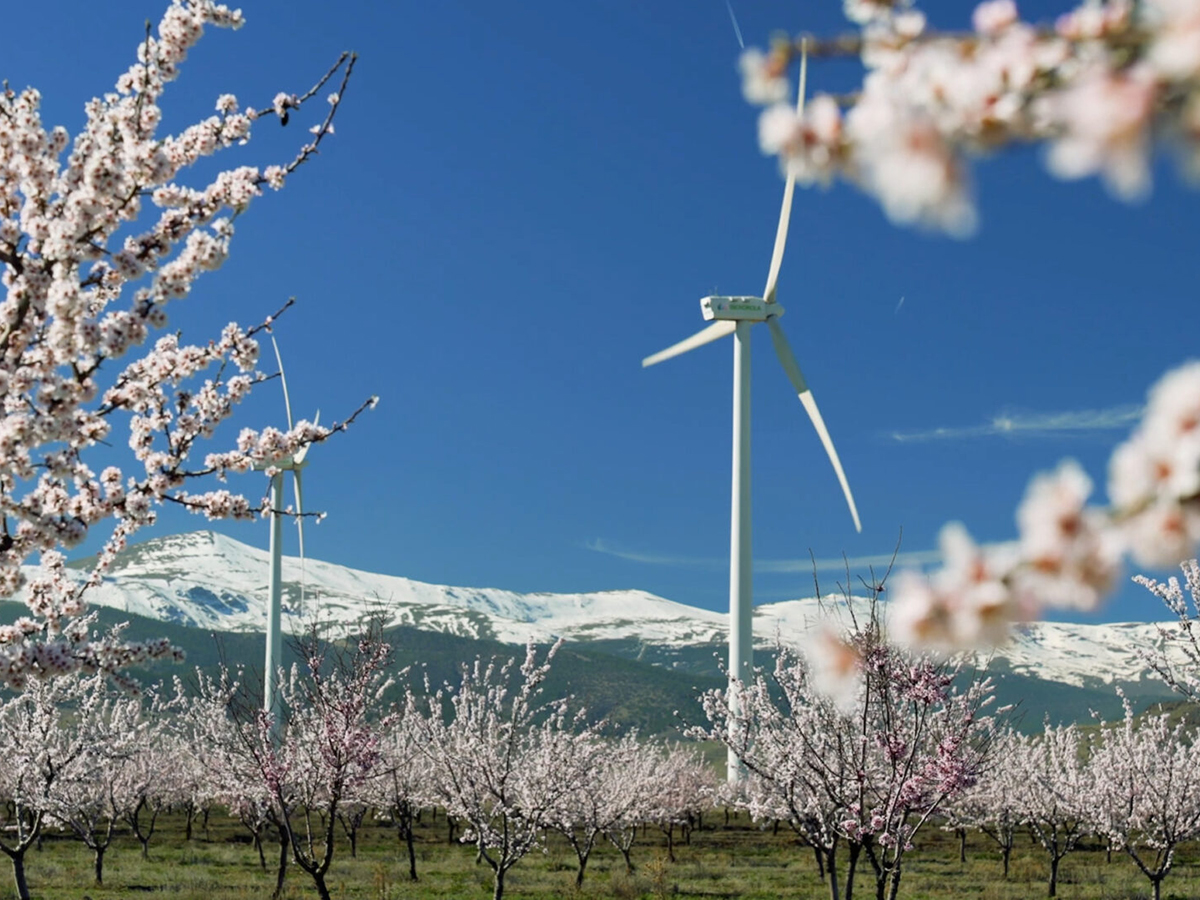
(735,315)
(295,464)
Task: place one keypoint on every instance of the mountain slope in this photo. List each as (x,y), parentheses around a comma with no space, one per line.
(206,581)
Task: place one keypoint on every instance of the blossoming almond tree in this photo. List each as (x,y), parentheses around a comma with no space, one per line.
(59,738)
(92,806)
(1147,790)
(631,783)
(1177,662)
(684,788)
(502,758)
(153,779)
(99,233)
(218,730)
(1099,86)
(401,786)
(597,801)
(1058,797)
(876,766)
(327,747)
(795,794)
(994,804)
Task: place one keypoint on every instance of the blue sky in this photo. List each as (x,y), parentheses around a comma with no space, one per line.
(524,199)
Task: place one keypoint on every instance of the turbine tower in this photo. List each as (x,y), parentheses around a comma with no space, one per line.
(274,660)
(735,315)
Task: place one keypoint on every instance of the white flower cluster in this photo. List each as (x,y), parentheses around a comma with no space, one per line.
(1155,475)
(82,285)
(1068,554)
(1097,87)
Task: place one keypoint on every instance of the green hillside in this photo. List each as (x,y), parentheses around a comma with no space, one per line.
(1034,699)
(630,683)
(629,694)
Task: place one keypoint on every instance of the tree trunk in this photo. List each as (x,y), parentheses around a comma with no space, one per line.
(625,851)
(262,859)
(962,844)
(820,855)
(18,864)
(404,818)
(851,866)
(1053,892)
(498,884)
(1005,852)
(319,880)
(98,863)
(894,878)
(285,847)
(671,842)
(583,860)
(143,831)
(831,868)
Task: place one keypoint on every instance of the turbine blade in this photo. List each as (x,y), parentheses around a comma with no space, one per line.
(784,351)
(713,332)
(780,241)
(287,401)
(300,532)
(785,213)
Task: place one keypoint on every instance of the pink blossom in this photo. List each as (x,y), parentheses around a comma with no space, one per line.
(1072,555)
(763,81)
(1105,120)
(968,603)
(993,16)
(98,240)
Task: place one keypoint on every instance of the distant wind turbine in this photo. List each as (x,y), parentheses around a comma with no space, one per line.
(735,315)
(296,464)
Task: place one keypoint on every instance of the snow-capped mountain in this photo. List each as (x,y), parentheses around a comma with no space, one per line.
(210,581)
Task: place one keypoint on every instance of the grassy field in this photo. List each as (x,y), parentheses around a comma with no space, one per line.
(738,860)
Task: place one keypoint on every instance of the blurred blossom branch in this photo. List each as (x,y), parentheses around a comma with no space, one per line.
(1099,88)
(1068,554)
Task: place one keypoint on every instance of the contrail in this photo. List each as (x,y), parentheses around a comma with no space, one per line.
(736,30)
(900,304)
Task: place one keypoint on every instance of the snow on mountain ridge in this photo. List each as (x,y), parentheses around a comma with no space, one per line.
(211,581)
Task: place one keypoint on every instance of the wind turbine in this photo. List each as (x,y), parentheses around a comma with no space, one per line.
(296,464)
(735,315)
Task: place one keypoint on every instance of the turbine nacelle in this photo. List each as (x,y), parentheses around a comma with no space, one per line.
(285,463)
(739,309)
